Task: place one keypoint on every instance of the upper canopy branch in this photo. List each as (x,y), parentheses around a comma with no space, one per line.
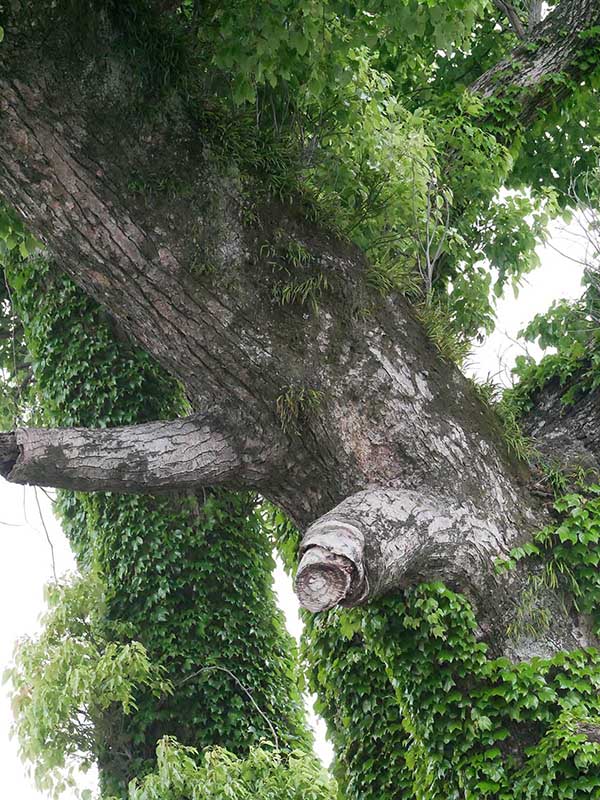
(554,47)
(534,16)
(515,20)
(152,457)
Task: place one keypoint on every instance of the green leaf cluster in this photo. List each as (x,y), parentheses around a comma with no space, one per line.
(571,551)
(572,330)
(464,725)
(263,773)
(71,685)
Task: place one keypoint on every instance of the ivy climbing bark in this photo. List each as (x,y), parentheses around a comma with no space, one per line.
(418,428)
(188,575)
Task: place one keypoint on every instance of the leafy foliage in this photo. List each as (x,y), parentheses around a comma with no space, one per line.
(570,551)
(392,140)
(262,773)
(416,706)
(460,719)
(72,684)
(463,711)
(572,329)
(296,404)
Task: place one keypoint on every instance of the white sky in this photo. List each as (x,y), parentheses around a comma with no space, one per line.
(25,557)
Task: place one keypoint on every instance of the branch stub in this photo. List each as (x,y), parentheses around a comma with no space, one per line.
(331,570)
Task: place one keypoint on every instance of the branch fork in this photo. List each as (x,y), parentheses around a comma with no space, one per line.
(515,21)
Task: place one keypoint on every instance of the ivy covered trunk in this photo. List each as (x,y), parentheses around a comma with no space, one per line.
(188,575)
(313,308)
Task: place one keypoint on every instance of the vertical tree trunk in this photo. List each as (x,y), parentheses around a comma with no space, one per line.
(189,576)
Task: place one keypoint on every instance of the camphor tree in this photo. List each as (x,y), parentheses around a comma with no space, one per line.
(291,206)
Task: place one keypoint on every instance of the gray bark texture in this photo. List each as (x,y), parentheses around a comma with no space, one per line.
(567,435)
(552,47)
(394,470)
(153,457)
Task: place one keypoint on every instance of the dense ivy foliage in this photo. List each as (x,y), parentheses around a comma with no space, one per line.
(356,698)
(187,577)
(468,716)
(418,709)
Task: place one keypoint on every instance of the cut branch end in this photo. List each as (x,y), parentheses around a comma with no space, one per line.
(324,579)
(331,570)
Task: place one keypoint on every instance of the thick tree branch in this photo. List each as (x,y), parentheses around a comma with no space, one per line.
(556,47)
(590,730)
(383,540)
(187,277)
(332,564)
(386,539)
(510,12)
(153,457)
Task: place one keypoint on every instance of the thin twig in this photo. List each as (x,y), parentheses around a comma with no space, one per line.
(564,255)
(242,687)
(48,495)
(515,21)
(37,500)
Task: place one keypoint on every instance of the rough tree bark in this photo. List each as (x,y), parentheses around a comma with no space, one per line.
(566,435)
(152,458)
(552,47)
(395,470)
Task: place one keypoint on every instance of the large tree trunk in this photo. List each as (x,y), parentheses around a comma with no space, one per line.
(345,415)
